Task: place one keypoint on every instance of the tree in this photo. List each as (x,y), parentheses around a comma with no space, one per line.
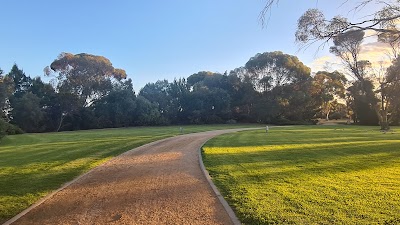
(21,82)
(116,109)
(313,26)
(87,76)
(27,114)
(282,82)
(158,93)
(6,90)
(364,112)
(347,46)
(393,39)
(392,88)
(326,87)
(273,69)
(243,95)
(179,92)
(208,79)
(146,113)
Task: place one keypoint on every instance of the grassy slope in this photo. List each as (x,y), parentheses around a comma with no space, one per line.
(32,165)
(309,175)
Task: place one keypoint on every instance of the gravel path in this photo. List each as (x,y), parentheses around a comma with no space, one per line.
(159,183)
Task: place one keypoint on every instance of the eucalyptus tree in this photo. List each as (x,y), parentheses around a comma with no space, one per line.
(314,26)
(392,90)
(82,79)
(283,82)
(88,76)
(274,69)
(328,87)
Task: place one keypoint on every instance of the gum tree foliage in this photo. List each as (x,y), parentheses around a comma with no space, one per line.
(282,82)
(82,79)
(364,102)
(347,47)
(159,94)
(88,76)
(274,69)
(205,97)
(326,87)
(6,90)
(209,99)
(34,104)
(243,95)
(313,26)
(392,88)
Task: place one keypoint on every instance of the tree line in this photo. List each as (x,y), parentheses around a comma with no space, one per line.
(87,92)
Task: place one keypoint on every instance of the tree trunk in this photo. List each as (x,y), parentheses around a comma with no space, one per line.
(61,121)
(383,113)
(384,123)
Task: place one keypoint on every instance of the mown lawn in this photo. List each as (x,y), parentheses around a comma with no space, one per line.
(309,174)
(33,165)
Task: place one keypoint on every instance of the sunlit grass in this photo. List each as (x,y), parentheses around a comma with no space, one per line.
(309,175)
(32,165)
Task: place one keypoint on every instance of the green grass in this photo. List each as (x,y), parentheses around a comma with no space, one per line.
(33,165)
(309,174)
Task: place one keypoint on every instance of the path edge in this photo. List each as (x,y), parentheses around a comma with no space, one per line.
(221,199)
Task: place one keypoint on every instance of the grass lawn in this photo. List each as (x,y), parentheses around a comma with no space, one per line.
(32,165)
(309,174)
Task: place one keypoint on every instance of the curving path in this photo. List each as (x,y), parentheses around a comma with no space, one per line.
(158,183)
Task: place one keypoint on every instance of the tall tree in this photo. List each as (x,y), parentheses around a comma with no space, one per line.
(27,113)
(6,90)
(158,93)
(392,88)
(21,82)
(274,69)
(116,109)
(326,87)
(347,46)
(242,93)
(87,76)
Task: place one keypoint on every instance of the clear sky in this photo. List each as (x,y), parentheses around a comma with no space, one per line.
(152,39)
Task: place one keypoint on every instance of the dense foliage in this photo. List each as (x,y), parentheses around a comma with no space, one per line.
(88,92)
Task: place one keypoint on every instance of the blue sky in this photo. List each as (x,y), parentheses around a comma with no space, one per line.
(153,39)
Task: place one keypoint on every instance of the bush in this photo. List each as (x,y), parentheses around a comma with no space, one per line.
(231,121)
(335,116)
(7,128)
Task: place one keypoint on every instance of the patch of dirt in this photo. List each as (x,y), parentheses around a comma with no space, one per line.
(160,183)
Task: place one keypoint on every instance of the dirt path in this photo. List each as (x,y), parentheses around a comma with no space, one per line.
(160,183)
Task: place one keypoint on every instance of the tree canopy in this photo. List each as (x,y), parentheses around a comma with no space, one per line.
(88,76)
(272,87)
(314,26)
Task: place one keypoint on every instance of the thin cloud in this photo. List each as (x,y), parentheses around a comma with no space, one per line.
(325,63)
(375,52)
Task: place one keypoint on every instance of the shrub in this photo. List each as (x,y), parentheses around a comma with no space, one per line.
(231,121)
(7,128)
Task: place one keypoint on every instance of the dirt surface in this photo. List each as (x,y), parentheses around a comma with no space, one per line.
(160,183)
